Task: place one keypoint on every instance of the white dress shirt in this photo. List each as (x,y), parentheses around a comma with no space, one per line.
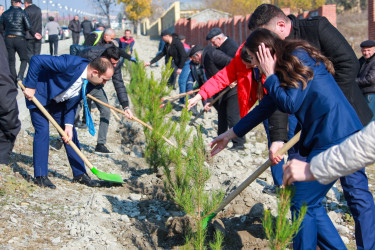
(73,90)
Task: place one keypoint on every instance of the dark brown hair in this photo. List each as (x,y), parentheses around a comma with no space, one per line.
(288,67)
(101,64)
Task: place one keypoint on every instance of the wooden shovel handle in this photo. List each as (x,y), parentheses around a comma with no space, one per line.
(59,129)
(178,96)
(134,118)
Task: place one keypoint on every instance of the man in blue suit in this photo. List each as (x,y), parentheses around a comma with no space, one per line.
(57,82)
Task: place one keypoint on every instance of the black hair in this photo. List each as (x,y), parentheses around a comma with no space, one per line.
(263,14)
(51,18)
(244,55)
(112,52)
(101,64)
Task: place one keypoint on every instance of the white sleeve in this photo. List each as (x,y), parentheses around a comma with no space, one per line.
(353,154)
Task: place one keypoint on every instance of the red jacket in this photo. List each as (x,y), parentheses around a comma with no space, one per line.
(246,85)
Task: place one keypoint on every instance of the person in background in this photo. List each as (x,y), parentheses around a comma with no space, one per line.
(227,107)
(173,49)
(183,41)
(160,49)
(75,27)
(15,22)
(1,9)
(127,42)
(222,42)
(366,75)
(87,27)
(10,125)
(34,13)
(54,30)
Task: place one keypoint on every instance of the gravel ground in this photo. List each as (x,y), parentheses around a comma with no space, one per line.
(132,215)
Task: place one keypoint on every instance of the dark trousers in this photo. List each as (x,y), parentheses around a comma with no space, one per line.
(85,35)
(41,140)
(34,47)
(53,41)
(105,113)
(9,127)
(75,37)
(228,115)
(17,44)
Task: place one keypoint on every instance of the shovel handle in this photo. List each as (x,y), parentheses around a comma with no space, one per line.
(177,96)
(134,118)
(257,172)
(59,129)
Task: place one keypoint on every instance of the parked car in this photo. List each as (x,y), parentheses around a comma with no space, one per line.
(65,32)
(45,35)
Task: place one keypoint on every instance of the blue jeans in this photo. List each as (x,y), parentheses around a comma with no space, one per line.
(277,170)
(370,98)
(183,79)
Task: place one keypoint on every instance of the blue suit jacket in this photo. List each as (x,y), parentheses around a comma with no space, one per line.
(326,116)
(51,75)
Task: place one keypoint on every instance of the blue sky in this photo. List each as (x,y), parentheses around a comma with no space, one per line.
(82,5)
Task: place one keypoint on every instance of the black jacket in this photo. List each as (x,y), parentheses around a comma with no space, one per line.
(175,50)
(94,52)
(366,76)
(75,26)
(35,16)
(229,47)
(86,27)
(9,123)
(320,33)
(15,22)
(213,60)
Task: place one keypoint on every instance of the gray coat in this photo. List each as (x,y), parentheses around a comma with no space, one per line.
(353,154)
(366,76)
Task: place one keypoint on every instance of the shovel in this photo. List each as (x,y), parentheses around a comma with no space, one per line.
(101,175)
(211,104)
(249,180)
(177,96)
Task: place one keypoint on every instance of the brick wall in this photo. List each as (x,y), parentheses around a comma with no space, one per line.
(236,27)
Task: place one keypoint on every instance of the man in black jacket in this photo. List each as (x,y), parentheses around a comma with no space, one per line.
(75,27)
(319,32)
(113,54)
(366,75)
(173,49)
(9,123)
(86,26)
(15,23)
(34,13)
(222,42)
(213,60)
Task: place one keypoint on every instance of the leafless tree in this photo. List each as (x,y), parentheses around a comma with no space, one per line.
(105,6)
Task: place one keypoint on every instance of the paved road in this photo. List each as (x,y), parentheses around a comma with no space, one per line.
(24,113)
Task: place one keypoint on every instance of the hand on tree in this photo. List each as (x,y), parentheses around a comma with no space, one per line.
(275,146)
(296,170)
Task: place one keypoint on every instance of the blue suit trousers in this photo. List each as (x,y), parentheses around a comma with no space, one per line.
(41,140)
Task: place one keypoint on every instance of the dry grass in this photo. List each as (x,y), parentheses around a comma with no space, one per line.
(354,27)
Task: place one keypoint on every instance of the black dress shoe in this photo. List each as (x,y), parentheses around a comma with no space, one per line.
(43,181)
(102,149)
(86,180)
(237,147)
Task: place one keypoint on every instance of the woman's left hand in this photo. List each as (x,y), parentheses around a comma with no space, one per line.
(266,61)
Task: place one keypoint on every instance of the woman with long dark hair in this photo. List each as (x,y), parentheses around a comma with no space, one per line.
(299,81)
